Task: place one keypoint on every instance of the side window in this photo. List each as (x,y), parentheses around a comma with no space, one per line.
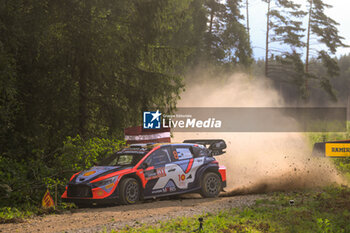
(200,151)
(181,153)
(158,157)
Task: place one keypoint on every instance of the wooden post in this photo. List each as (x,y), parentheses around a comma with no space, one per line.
(56,195)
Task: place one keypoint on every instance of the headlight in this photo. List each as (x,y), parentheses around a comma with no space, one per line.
(105,182)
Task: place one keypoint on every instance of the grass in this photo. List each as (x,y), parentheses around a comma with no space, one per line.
(326,210)
(272,215)
(19,214)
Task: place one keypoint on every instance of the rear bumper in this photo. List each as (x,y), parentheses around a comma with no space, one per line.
(222,171)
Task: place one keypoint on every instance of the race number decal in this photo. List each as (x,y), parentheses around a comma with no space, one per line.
(176,156)
(182,177)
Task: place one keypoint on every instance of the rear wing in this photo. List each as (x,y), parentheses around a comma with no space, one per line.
(215,146)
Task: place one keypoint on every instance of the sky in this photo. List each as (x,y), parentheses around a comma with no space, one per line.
(257,20)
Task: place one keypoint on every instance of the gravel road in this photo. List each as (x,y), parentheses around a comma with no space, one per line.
(117,217)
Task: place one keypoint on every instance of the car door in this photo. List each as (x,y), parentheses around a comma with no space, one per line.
(155,171)
(182,170)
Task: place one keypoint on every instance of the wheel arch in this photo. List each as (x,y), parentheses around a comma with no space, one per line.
(205,169)
(136,177)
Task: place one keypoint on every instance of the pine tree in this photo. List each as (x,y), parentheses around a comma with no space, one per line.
(226,39)
(325,30)
(284,25)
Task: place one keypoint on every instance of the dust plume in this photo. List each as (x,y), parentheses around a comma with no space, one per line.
(258,162)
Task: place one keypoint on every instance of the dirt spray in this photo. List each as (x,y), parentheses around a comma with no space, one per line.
(258,162)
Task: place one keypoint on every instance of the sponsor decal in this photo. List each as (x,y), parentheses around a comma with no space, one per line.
(338,149)
(157,191)
(100,193)
(161,172)
(169,189)
(155,173)
(182,177)
(89,173)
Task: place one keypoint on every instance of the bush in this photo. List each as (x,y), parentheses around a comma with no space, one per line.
(24,182)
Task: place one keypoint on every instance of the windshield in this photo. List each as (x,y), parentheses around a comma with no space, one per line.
(123,159)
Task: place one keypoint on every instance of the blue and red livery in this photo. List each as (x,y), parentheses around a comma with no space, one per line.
(143,171)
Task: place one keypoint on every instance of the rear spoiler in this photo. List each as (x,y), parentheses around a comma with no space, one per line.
(335,149)
(216,146)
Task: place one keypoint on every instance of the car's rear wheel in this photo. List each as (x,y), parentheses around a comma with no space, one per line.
(129,191)
(210,185)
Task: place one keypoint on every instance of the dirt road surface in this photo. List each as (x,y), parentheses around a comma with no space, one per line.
(117,217)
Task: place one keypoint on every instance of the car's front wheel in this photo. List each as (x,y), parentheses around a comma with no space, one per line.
(129,191)
(210,185)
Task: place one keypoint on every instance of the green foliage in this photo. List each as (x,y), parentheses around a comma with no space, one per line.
(89,68)
(324,225)
(325,30)
(290,69)
(78,154)
(8,214)
(285,27)
(226,40)
(314,211)
(324,27)
(24,183)
(286,24)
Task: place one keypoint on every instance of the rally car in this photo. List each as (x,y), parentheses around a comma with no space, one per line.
(144,171)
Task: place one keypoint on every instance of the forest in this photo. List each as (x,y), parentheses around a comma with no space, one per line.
(74,74)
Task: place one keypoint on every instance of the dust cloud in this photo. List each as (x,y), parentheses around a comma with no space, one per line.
(258,162)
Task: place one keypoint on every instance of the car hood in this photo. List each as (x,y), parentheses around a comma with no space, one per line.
(95,172)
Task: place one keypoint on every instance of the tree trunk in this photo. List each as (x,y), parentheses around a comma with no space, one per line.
(83,68)
(267,38)
(308,46)
(211,20)
(248,29)
(82,98)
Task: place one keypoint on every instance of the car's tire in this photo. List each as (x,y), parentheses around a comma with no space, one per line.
(129,191)
(211,185)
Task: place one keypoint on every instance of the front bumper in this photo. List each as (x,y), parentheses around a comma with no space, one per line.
(85,193)
(110,200)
